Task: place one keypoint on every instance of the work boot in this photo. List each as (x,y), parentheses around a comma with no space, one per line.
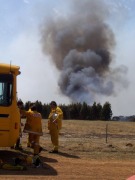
(36,161)
(54,151)
(40,149)
(18,148)
(12,147)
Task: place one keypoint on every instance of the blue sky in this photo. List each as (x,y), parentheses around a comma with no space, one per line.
(20,35)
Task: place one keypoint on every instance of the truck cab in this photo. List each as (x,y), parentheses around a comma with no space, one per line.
(9,112)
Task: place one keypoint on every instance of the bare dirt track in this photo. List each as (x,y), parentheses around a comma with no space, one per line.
(84,153)
(64,167)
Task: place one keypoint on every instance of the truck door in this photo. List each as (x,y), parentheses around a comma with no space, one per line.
(8,131)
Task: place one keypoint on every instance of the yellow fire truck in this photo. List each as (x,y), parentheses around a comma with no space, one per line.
(9,112)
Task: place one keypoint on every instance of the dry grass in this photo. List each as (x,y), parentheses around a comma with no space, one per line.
(92,137)
(86,152)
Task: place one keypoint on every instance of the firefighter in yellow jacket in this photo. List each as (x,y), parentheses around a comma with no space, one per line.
(54,125)
(28,143)
(33,127)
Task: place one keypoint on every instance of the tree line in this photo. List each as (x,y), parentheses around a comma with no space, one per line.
(77,111)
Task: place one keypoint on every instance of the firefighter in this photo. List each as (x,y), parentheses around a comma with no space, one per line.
(33,126)
(28,143)
(54,125)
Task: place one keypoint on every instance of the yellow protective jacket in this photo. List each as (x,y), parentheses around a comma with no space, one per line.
(33,123)
(56,115)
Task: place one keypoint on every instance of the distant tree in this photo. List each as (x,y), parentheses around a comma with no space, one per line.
(99,111)
(39,106)
(77,110)
(94,111)
(45,111)
(26,106)
(65,110)
(84,111)
(74,110)
(106,111)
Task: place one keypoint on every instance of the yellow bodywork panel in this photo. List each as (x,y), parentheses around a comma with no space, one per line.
(9,112)
(8,68)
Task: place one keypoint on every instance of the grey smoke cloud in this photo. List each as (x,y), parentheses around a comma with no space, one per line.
(81,45)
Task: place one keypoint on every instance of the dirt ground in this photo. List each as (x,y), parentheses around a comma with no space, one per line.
(83,154)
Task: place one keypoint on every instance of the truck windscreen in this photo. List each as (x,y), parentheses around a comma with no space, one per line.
(6,86)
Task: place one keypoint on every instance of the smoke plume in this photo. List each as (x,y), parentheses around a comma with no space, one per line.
(81,46)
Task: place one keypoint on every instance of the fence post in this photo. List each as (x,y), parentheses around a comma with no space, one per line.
(106,133)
